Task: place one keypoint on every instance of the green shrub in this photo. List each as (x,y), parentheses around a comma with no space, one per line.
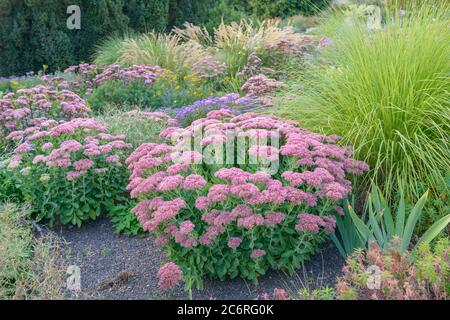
(194,11)
(285,8)
(34,33)
(123,221)
(223,10)
(145,15)
(386,92)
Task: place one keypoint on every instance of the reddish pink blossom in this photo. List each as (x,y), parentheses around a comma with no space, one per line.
(83,165)
(234,242)
(258,253)
(186,227)
(169,276)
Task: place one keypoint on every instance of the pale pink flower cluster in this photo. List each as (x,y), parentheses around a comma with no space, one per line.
(264,152)
(79,81)
(252,66)
(274,218)
(260,85)
(169,275)
(152,213)
(312,223)
(280,294)
(298,47)
(208,67)
(149,156)
(147,74)
(258,253)
(83,68)
(234,242)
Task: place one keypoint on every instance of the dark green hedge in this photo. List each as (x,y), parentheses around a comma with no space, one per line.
(33,33)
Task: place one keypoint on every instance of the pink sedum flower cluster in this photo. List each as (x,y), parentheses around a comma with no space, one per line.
(312,223)
(77,78)
(156,116)
(78,157)
(208,67)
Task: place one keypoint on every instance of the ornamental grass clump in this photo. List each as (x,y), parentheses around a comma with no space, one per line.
(70,171)
(27,107)
(385,91)
(237,204)
(76,78)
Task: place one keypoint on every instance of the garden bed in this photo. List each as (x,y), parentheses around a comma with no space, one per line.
(241,161)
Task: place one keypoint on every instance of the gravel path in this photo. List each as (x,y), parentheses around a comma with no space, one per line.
(121,267)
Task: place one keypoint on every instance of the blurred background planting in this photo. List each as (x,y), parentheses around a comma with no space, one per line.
(33,33)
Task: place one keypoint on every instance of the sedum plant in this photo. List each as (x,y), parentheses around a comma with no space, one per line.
(28,106)
(69,172)
(418,275)
(240,218)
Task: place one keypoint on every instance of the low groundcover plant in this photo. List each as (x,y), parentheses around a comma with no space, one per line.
(236,219)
